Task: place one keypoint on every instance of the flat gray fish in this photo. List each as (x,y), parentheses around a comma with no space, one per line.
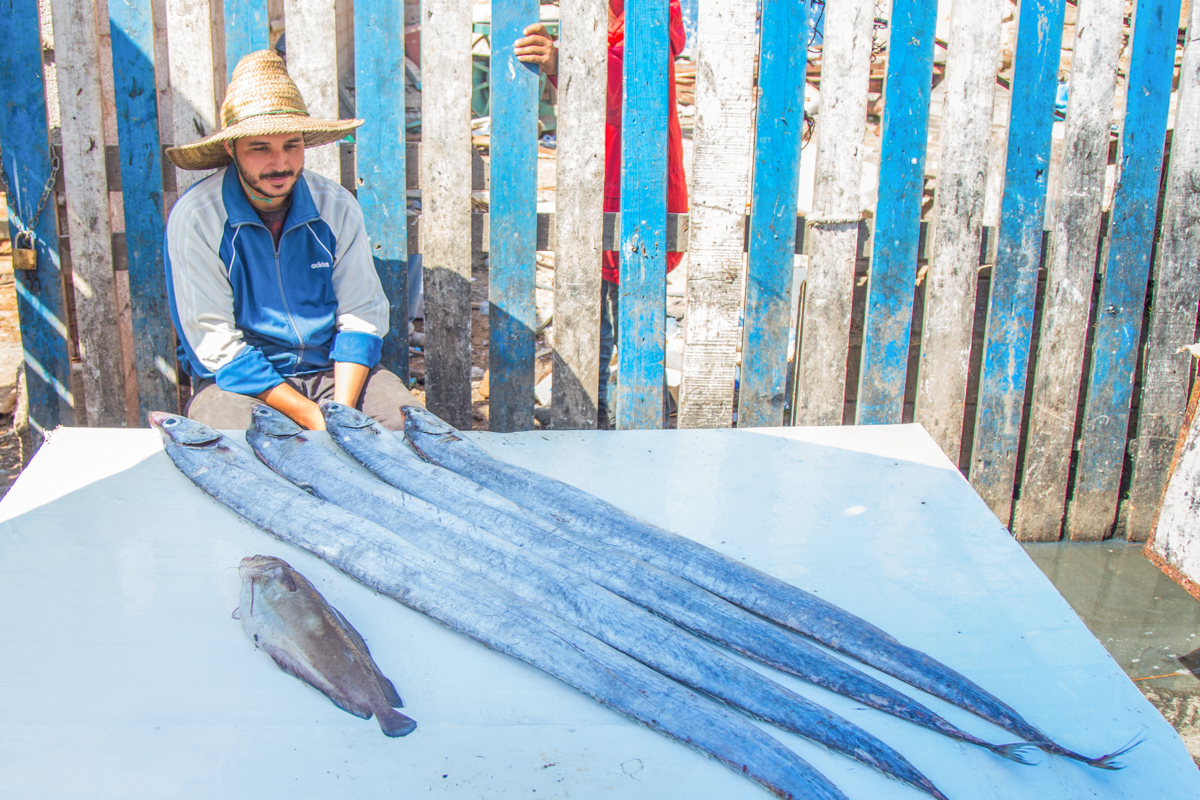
(662,593)
(496,618)
(284,447)
(287,617)
(725,577)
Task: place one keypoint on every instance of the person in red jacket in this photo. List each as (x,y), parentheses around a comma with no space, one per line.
(538,47)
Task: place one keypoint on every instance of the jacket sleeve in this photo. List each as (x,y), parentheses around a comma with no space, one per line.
(362,307)
(202,305)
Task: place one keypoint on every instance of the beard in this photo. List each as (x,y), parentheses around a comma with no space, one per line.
(259,182)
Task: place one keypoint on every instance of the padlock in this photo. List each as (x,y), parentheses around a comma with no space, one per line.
(24,254)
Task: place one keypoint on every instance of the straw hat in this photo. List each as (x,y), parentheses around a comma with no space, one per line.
(262,100)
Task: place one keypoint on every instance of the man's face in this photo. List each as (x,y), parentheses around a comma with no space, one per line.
(269,165)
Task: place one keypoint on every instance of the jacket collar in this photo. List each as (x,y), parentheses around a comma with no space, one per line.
(240,212)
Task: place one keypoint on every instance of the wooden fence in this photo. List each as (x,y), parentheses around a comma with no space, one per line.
(1020,287)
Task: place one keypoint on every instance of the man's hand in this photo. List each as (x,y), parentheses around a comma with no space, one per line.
(286,400)
(538,48)
(348,381)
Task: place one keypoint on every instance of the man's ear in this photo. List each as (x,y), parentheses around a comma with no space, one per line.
(228,147)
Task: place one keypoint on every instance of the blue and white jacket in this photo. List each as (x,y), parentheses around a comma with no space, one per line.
(248,315)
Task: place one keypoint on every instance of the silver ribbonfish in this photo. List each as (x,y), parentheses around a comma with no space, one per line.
(498,619)
(287,617)
(284,447)
(662,593)
(725,577)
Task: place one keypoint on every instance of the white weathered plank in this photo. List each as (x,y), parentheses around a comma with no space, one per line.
(446,205)
(1071,263)
(966,131)
(77,56)
(721,165)
(1176,293)
(579,209)
(193,90)
(312,63)
(165,97)
(841,127)
(1174,544)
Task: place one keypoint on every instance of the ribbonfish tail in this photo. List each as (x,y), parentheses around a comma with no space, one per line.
(285,448)
(286,616)
(738,583)
(496,618)
(660,592)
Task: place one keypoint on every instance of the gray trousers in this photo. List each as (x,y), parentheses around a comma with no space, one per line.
(382,396)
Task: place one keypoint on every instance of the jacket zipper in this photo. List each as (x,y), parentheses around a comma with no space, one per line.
(283,294)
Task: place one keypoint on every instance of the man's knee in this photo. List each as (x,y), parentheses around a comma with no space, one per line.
(217,408)
(383,396)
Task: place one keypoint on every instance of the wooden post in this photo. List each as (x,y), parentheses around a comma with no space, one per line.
(579,212)
(27,162)
(958,222)
(382,161)
(512,264)
(446,206)
(1093,510)
(312,63)
(1173,305)
(888,320)
(1014,276)
(131,23)
(720,184)
(77,56)
(190,37)
(1071,266)
(643,295)
(783,56)
(837,207)
(246,31)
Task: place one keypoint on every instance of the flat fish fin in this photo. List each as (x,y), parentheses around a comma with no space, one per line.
(298,670)
(393,723)
(389,691)
(354,635)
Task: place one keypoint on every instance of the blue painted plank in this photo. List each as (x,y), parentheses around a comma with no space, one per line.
(767,317)
(908,86)
(1118,322)
(131,24)
(247,29)
(513,208)
(643,253)
(27,161)
(380,156)
(1019,247)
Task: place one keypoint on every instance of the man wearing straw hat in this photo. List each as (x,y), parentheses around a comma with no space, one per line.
(272,286)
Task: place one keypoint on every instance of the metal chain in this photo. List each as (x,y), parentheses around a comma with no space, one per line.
(46,192)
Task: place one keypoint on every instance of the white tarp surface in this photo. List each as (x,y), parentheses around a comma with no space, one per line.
(123,675)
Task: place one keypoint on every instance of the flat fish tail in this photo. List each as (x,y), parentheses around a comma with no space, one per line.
(661,593)
(738,583)
(393,723)
(493,617)
(644,636)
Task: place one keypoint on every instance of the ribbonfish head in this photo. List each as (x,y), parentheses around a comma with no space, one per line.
(308,638)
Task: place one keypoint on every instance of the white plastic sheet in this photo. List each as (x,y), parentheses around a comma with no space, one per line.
(122,673)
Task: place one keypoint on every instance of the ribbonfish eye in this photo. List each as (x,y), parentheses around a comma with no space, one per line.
(345,416)
(270,422)
(182,430)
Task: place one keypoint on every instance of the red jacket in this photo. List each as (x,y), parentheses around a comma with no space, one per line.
(677,201)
